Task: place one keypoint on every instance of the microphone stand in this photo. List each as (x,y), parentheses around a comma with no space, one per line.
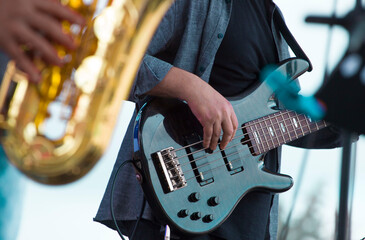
(343,230)
(354,23)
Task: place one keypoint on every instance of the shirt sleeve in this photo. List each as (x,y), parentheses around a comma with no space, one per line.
(153,69)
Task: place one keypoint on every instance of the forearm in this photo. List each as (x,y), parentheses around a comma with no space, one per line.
(180,84)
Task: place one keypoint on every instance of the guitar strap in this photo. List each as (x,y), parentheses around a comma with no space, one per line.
(289,38)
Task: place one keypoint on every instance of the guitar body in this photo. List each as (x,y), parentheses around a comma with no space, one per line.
(202,189)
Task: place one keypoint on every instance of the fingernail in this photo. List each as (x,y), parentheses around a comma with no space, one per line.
(208,150)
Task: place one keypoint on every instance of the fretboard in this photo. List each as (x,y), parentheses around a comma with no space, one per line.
(274,130)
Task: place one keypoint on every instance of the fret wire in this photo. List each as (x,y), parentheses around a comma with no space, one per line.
(259,136)
(263,131)
(282,126)
(285,125)
(316,125)
(299,124)
(292,124)
(280,129)
(276,135)
(303,123)
(254,144)
(270,132)
(256,137)
(310,130)
(301,127)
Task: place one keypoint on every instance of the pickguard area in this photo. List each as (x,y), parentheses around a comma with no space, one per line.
(198,159)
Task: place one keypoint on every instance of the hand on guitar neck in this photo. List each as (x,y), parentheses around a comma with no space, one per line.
(214,112)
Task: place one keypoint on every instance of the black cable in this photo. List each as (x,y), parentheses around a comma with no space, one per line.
(112,196)
(139,218)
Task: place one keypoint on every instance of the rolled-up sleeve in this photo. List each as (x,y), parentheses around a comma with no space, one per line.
(153,69)
(151,72)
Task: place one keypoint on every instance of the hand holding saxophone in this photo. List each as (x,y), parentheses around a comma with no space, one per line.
(34,25)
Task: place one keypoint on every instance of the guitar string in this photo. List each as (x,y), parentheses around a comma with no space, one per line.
(243,143)
(229,155)
(281,114)
(247,134)
(262,129)
(219,159)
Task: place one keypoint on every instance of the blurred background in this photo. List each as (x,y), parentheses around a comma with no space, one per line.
(66,212)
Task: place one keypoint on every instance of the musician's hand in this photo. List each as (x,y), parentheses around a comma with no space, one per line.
(214,112)
(34,24)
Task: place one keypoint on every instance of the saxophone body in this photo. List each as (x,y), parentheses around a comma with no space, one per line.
(55,131)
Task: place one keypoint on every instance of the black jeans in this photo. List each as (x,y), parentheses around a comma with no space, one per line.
(148,230)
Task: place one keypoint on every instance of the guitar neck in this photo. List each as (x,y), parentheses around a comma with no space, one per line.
(274,130)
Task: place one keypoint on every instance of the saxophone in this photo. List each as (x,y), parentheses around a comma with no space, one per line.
(55,131)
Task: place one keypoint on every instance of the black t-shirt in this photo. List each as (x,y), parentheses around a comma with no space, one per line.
(246,48)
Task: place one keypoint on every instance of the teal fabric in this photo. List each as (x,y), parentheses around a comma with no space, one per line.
(11,188)
(11,195)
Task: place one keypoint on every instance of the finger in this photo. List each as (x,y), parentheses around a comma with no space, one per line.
(227,133)
(23,62)
(46,50)
(215,136)
(234,124)
(207,135)
(52,29)
(60,11)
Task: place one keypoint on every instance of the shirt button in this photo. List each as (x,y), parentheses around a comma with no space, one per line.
(220,35)
(228,1)
(201,69)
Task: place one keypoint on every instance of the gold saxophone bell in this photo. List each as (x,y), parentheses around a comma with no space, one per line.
(55,131)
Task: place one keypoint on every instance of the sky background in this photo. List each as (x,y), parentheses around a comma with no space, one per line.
(66,212)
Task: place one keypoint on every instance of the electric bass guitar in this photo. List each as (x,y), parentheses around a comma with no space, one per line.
(194,191)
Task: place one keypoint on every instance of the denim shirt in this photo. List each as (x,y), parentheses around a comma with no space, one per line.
(191,31)
(194,30)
